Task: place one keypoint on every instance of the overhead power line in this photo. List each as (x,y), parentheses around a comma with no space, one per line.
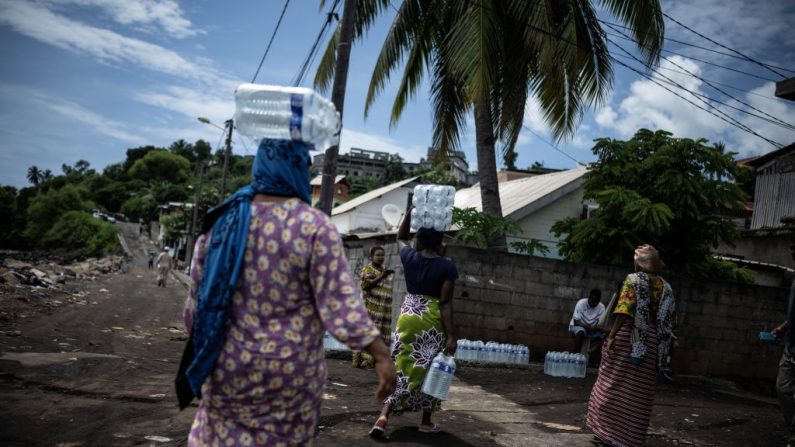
(720,115)
(270,42)
(310,57)
(698,46)
(750,59)
(743,90)
(552,145)
(771,117)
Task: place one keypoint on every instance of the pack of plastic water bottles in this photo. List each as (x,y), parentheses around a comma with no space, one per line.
(433,207)
(286,113)
(440,376)
(565,364)
(332,344)
(491,351)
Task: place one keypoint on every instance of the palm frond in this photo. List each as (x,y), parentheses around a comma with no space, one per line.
(324,75)
(645,20)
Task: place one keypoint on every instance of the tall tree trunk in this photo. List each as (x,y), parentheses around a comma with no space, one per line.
(487,167)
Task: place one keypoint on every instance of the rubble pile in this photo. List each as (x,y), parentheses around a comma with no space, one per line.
(51,274)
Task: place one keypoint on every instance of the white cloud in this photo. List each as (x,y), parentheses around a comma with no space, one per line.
(217,105)
(649,105)
(165,15)
(38,22)
(752,27)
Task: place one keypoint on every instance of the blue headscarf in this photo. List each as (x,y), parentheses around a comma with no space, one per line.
(281,168)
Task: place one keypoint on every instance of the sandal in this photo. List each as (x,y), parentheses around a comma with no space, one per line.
(429,428)
(377,432)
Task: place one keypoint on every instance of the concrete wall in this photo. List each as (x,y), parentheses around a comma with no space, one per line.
(529,300)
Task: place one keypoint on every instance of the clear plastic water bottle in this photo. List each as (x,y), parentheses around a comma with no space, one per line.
(440,376)
(583,362)
(297,113)
(524,355)
(555,359)
(548,363)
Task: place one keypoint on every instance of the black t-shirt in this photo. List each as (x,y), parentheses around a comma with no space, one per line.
(424,276)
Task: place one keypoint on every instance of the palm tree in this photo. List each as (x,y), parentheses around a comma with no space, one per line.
(490,56)
(46,175)
(34,176)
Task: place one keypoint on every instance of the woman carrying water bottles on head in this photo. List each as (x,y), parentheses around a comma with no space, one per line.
(424,327)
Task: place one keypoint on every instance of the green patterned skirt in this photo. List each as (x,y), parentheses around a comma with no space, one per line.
(419,336)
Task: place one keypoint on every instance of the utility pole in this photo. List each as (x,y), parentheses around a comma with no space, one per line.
(227,153)
(338,98)
(197,194)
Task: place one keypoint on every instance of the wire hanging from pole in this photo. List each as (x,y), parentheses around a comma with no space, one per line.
(273,36)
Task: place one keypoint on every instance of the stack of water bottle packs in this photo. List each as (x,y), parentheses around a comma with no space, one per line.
(286,113)
(492,352)
(433,207)
(565,364)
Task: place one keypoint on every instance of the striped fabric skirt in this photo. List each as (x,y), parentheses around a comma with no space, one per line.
(622,398)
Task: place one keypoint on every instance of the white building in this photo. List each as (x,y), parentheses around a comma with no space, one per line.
(535,204)
(363,214)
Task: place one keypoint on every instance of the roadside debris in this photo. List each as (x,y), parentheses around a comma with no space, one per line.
(52,274)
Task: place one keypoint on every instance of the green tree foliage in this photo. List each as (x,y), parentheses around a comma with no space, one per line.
(34,175)
(509,159)
(361,185)
(141,206)
(137,153)
(47,207)
(80,234)
(439,176)
(480,228)
(160,166)
(202,149)
(9,230)
(669,192)
(175,224)
(490,57)
(530,247)
(393,169)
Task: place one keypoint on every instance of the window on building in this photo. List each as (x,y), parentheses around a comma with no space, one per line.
(339,190)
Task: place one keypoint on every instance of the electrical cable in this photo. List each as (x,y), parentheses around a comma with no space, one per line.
(331,15)
(270,42)
(778,121)
(552,145)
(606,22)
(750,59)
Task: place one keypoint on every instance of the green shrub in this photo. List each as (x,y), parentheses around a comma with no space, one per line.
(46,208)
(80,234)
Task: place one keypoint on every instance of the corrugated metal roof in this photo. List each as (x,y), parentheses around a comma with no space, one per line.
(774,198)
(318,180)
(523,196)
(374,194)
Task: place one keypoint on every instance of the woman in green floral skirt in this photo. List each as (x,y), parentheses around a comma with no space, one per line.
(425,326)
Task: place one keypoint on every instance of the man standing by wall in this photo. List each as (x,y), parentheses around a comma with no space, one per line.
(586,316)
(785,382)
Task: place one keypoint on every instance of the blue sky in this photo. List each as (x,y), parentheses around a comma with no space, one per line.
(88,79)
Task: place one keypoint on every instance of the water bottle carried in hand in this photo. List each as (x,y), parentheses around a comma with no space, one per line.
(440,376)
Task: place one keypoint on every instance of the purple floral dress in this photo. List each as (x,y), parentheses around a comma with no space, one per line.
(267,385)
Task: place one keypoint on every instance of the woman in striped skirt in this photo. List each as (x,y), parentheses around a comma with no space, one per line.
(621,401)
(376,284)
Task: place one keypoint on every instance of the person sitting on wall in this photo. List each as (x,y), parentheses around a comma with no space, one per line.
(586,316)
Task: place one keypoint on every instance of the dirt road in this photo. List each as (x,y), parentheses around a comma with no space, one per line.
(99,372)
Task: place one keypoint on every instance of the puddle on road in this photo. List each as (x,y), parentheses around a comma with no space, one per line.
(50,358)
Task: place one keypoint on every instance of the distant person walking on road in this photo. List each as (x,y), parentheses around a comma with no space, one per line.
(586,316)
(269,278)
(151,260)
(425,326)
(164,264)
(785,382)
(376,285)
(621,401)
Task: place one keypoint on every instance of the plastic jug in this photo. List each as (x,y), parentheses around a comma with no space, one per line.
(440,376)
